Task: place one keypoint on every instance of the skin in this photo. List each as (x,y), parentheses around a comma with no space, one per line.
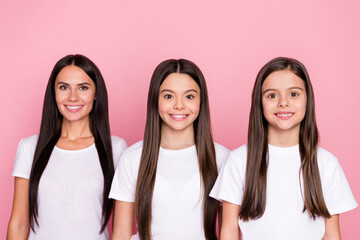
(230,228)
(282,93)
(75,88)
(179,95)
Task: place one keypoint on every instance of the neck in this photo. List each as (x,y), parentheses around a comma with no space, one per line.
(283,138)
(76,130)
(174,140)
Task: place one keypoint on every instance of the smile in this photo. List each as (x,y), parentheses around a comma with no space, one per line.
(73,108)
(179,117)
(284,115)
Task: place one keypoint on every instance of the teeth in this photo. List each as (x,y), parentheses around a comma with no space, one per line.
(284,115)
(73,107)
(178,116)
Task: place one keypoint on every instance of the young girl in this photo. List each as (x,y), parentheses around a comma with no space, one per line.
(167,177)
(63,176)
(281,185)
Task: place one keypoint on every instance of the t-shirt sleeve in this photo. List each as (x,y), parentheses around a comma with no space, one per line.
(337,193)
(230,182)
(123,186)
(24,158)
(118,145)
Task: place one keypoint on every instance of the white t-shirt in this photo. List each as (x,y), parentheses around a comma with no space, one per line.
(283,218)
(177,199)
(70,193)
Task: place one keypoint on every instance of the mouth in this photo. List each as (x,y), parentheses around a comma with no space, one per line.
(179,117)
(283,115)
(73,108)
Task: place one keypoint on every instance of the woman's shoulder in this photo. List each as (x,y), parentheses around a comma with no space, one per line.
(29,142)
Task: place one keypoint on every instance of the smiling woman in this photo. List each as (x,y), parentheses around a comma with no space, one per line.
(63,175)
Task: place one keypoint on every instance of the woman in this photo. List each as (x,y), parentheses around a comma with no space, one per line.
(63,175)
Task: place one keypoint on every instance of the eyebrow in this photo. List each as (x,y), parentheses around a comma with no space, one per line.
(83,83)
(187,91)
(273,89)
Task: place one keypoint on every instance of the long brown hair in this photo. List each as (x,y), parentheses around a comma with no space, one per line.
(254,199)
(151,144)
(50,131)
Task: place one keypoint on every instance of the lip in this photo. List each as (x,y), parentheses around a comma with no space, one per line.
(284,115)
(179,117)
(73,108)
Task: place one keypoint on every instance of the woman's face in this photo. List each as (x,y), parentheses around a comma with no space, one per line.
(74,94)
(179,102)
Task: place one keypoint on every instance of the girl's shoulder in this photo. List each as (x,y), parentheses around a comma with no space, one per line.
(240,152)
(221,154)
(326,159)
(134,151)
(118,143)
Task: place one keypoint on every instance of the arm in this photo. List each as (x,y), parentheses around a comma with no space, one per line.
(332,229)
(230,228)
(123,220)
(220,215)
(19,224)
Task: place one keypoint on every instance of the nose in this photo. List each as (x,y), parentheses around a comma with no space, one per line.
(179,104)
(73,96)
(283,101)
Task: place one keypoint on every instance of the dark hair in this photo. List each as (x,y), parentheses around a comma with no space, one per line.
(149,157)
(254,199)
(50,131)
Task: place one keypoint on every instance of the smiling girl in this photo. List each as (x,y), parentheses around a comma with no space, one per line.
(165,179)
(281,184)
(63,175)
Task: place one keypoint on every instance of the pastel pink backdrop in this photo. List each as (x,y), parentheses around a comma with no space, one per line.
(230,41)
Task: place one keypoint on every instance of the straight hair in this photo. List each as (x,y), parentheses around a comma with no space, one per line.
(151,144)
(50,131)
(254,199)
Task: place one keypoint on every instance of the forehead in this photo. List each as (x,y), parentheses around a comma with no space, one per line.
(72,73)
(283,79)
(179,82)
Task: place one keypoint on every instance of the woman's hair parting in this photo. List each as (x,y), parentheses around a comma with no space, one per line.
(50,131)
(151,144)
(254,199)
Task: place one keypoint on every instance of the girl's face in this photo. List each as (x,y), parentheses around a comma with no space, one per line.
(74,93)
(284,102)
(179,102)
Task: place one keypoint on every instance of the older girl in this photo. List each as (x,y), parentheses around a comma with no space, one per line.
(167,177)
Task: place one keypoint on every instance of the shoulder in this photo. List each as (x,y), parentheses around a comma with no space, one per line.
(133,152)
(118,143)
(221,154)
(29,143)
(240,152)
(326,159)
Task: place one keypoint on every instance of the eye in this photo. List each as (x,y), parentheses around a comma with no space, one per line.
(167,96)
(190,96)
(63,87)
(272,95)
(294,94)
(84,88)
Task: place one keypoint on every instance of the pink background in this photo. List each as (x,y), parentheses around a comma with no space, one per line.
(230,41)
